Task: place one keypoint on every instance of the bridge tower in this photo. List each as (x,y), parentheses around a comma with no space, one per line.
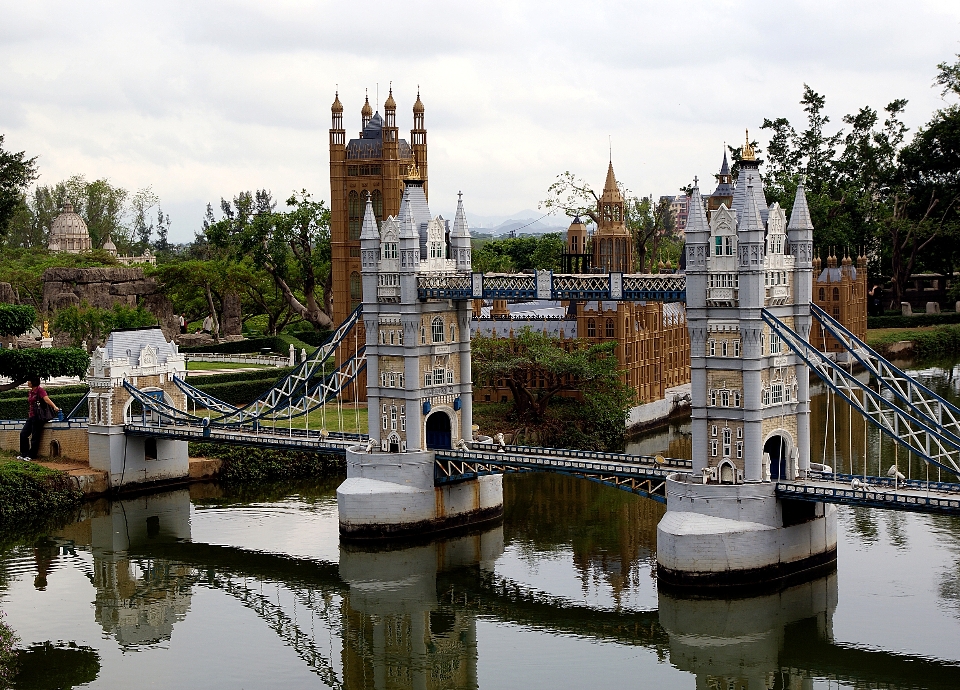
(419,384)
(145,359)
(750,399)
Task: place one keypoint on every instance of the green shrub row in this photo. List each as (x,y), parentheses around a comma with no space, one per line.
(272,374)
(242,464)
(313,338)
(897,321)
(237,347)
(17,408)
(943,341)
(72,389)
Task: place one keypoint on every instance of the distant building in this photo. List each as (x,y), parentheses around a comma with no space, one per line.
(653,346)
(841,291)
(679,209)
(69,233)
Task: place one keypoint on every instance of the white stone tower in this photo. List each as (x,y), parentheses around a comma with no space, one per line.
(419,387)
(750,398)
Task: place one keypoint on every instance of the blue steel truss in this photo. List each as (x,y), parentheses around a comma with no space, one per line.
(547,285)
(308,386)
(904,419)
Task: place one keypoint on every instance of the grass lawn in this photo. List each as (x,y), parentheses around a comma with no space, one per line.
(316,418)
(206,366)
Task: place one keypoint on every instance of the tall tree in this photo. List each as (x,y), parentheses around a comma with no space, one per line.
(292,246)
(16,173)
(142,227)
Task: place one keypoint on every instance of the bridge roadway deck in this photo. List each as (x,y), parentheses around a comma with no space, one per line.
(640,474)
(912,495)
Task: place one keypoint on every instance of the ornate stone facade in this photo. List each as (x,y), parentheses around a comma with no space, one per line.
(841,291)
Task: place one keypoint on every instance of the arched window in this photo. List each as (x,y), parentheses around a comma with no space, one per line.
(591,328)
(377,200)
(356,290)
(353,215)
(836,294)
(822,295)
(610,328)
(437,330)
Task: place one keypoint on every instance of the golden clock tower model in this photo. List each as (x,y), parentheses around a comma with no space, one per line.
(377,163)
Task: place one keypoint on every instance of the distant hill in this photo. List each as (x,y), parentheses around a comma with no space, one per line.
(525,222)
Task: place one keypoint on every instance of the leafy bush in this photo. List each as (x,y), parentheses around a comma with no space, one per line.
(16,408)
(942,341)
(29,491)
(43,362)
(8,653)
(92,324)
(256,465)
(16,319)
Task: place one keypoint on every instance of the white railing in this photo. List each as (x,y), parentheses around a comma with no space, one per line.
(252,360)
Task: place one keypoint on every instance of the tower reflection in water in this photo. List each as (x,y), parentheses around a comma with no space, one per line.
(407,617)
(396,633)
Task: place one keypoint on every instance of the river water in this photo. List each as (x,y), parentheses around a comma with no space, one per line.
(210,587)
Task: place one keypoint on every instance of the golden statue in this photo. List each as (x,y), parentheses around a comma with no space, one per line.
(46,329)
(748,153)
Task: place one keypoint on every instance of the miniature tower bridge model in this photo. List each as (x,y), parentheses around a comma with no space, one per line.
(419,390)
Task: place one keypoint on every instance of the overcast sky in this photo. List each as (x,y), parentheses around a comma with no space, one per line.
(202,99)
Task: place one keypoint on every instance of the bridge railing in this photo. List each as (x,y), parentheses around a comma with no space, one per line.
(670,287)
(673,463)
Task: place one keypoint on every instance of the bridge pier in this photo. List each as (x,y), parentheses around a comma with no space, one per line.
(419,385)
(143,358)
(725,525)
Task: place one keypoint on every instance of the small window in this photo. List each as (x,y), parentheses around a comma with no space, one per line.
(449,375)
(836,294)
(714,446)
(739,449)
(713,398)
(610,328)
(712,347)
(437,330)
(453,333)
(725,398)
(718,241)
(736,398)
(736,348)
(428,379)
(591,328)
(423,334)
(739,432)
(393,417)
(723,348)
(713,430)
(821,295)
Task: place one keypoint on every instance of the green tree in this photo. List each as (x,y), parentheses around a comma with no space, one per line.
(292,246)
(536,367)
(518,254)
(16,173)
(93,324)
(18,365)
(142,227)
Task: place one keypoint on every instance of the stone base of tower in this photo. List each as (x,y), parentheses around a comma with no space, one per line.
(718,537)
(392,495)
(136,460)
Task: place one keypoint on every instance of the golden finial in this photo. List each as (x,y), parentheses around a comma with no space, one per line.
(748,154)
(413,172)
(46,329)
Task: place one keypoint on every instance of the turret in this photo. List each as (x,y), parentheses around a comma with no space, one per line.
(418,142)
(390,110)
(366,112)
(460,238)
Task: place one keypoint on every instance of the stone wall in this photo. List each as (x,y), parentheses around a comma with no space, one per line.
(105,287)
(70,440)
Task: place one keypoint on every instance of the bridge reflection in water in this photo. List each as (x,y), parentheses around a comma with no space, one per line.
(407,617)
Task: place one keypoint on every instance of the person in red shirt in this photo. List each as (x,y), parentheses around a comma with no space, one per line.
(33,427)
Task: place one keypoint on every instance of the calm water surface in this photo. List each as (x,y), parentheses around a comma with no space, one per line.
(217,588)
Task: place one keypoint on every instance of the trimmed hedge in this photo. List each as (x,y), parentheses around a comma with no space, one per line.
(912,321)
(239,347)
(313,338)
(272,374)
(77,388)
(17,408)
(942,341)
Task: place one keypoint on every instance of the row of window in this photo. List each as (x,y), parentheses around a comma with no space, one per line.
(723,397)
(438,377)
(776,243)
(725,280)
(390,379)
(727,439)
(392,420)
(355,170)
(355,208)
(775,394)
(776,278)
(436,332)
(609,328)
(723,347)
(723,246)
(388,250)
(391,337)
